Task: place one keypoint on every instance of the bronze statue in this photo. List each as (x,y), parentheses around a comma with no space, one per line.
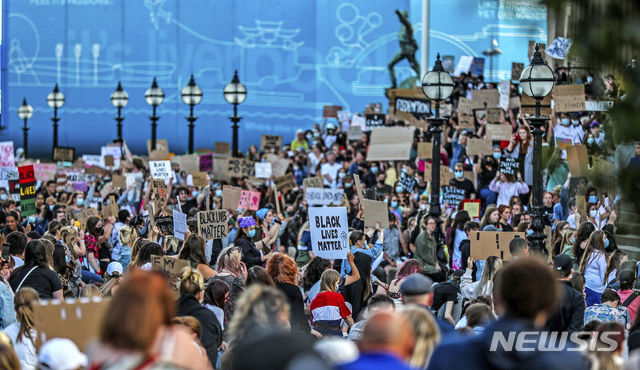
(408,47)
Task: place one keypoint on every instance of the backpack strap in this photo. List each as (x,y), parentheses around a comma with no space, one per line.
(630,299)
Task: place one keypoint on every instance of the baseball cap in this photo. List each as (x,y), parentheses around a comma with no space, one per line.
(416,284)
(562,263)
(61,354)
(114,267)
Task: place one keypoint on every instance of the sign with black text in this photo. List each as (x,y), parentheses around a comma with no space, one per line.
(509,166)
(27,182)
(452,195)
(212,224)
(413,106)
(374,120)
(323,197)
(161,170)
(407,182)
(329,232)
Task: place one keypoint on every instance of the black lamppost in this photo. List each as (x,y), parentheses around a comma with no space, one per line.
(192,96)
(537,81)
(235,93)
(25,112)
(119,99)
(154,97)
(55,100)
(437,85)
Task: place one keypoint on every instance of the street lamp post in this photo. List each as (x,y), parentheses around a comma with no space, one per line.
(25,112)
(154,97)
(537,82)
(55,100)
(119,99)
(235,93)
(437,85)
(192,96)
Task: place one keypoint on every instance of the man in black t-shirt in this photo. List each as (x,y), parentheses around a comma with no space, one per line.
(459,182)
(445,296)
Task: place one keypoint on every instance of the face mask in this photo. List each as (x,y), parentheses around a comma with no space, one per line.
(31,219)
(573,240)
(606,243)
(348,185)
(529,232)
(67,259)
(399,189)
(51,207)
(309,136)
(459,174)
(593,213)
(589,79)
(565,121)
(590,141)
(386,200)
(593,199)
(99,230)
(497,155)
(251,233)
(341,175)
(218,193)
(296,168)
(423,207)
(194,193)
(394,204)
(79,201)
(374,169)
(3,196)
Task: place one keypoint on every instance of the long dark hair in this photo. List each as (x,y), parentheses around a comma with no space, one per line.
(462,217)
(36,254)
(584,231)
(215,293)
(594,244)
(314,271)
(193,250)
(363,264)
(148,250)
(91,225)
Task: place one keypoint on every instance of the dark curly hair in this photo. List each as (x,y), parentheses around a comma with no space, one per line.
(314,271)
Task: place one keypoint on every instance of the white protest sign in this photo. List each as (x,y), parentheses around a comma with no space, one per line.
(505,90)
(179,224)
(359,121)
(329,232)
(6,154)
(598,106)
(324,197)
(263,170)
(130,179)
(161,170)
(463,66)
(93,160)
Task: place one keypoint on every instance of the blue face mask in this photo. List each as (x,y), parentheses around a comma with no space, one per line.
(565,121)
(399,189)
(606,243)
(394,204)
(51,207)
(593,199)
(529,232)
(251,233)
(67,259)
(80,201)
(31,219)
(348,184)
(309,136)
(3,197)
(589,79)
(459,174)
(497,155)
(573,240)
(218,192)
(591,140)
(194,193)
(374,169)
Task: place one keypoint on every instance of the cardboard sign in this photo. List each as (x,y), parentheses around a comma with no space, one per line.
(568,98)
(161,145)
(45,171)
(489,96)
(354,132)
(249,200)
(6,154)
(528,105)
(329,232)
(161,170)
(494,115)
(323,197)
(221,148)
(453,196)
(165,224)
(331,111)
(157,189)
(212,224)
(413,106)
(179,224)
(390,144)
(516,71)
(465,106)
(68,319)
(200,179)
(374,212)
(189,163)
(27,181)
(492,243)
(111,208)
(472,206)
(598,106)
(514,102)
(425,150)
(109,161)
(230,197)
(81,177)
(119,181)
(206,162)
(498,132)
(445,174)
(509,166)
(263,170)
(279,166)
(578,158)
(159,155)
(285,183)
(110,149)
(85,214)
(238,167)
(479,147)
(64,154)
(408,183)
(271,143)
(313,182)
(374,120)
(466,121)
(172,268)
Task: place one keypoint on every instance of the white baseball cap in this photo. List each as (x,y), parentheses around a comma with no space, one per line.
(61,354)
(113,267)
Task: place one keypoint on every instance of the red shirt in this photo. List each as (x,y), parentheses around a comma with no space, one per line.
(92,244)
(633,306)
(329,308)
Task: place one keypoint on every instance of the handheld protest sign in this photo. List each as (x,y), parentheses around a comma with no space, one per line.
(220,147)
(238,167)
(64,154)
(161,170)
(356,180)
(172,267)
(212,224)
(271,143)
(375,211)
(249,200)
(231,197)
(472,206)
(6,154)
(179,224)
(492,243)
(285,183)
(329,232)
(324,197)
(27,181)
(509,166)
(165,224)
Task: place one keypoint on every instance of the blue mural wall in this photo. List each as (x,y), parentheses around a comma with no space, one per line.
(294,57)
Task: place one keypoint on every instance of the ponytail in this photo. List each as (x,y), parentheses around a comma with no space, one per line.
(23,303)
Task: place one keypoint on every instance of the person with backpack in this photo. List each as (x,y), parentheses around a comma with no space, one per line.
(628,297)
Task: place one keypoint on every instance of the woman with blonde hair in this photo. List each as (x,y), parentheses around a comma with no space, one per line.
(8,358)
(232,271)
(127,237)
(427,335)
(484,286)
(22,332)
(328,309)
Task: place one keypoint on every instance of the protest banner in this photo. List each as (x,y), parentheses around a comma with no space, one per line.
(80,186)
(64,154)
(598,106)
(354,132)
(45,171)
(445,174)
(93,160)
(172,269)
(27,181)
(374,120)
(84,215)
(498,132)
(219,168)
(329,232)
(188,163)
(161,170)
(568,98)
(344,116)
(453,196)
(161,145)
(463,66)
(238,167)
(578,159)
(323,197)
(408,183)
(505,91)
(390,143)
(107,189)
(528,105)
(6,154)
(120,181)
(563,143)
(220,148)
(494,115)
(111,208)
(263,170)
(113,150)
(374,212)
(477,146)
(516,71)
(358,121)
(425,150)
(412,107)
(492,243)
(157,189)
(472,206)
(14,185)
(285,183)
(271,143)
(77,177)
(279,166)
(486,98)
(509,166)
(179,224)
(249,200)
(212,224)
(68,319)
(206,162)
(331,111)
(200,179)
(465,106)
(165,224)
(231,197)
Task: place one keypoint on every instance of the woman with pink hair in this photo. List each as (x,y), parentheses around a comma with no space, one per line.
(409,267)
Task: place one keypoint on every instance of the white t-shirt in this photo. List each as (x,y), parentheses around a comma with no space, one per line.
(25,350)
(332,171)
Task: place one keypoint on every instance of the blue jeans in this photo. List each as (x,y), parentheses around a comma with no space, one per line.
(592,297)
(89,277)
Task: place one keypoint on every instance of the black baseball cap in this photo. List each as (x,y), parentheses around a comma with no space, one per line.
(562,263)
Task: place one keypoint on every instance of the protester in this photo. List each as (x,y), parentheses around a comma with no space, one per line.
(36,274)
(23,333)
(569,315)
(328,308)
(417,289)
(594,265)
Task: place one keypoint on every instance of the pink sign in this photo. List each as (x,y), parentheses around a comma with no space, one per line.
(206,162)
(45,171)
(6,154)
(249,200)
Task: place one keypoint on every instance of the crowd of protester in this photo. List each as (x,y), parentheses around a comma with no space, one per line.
(406,296)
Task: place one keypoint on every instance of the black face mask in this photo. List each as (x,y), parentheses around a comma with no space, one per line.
(380,181)
(99,231)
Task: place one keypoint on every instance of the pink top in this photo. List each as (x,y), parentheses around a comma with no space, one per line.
(633,306)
